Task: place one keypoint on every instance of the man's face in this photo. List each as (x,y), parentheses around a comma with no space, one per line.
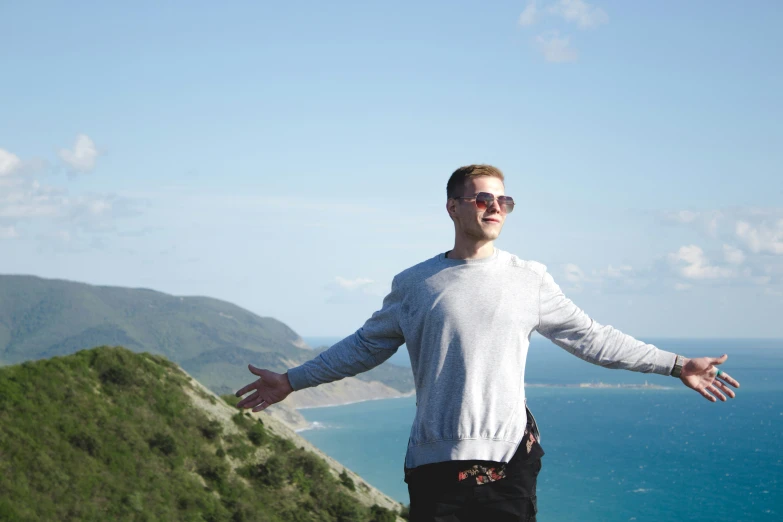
(478,225)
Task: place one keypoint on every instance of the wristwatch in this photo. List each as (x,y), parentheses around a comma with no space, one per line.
(678,362)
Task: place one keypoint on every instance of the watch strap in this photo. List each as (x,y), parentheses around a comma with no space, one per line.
(678,362)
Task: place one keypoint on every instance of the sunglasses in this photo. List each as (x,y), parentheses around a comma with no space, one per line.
(484,200)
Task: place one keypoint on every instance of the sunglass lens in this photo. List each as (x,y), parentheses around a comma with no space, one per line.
(484,200)
(506,203)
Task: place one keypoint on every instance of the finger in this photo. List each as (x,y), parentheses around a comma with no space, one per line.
(729,379)
(254,403)
(253,385)
(261,406)
(725,389)
(258,371)
(247,400)
(714,390)
(719,360)
(704,393)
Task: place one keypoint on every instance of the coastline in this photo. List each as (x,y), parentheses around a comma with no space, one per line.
(409,394)
(313,425)
(580,386)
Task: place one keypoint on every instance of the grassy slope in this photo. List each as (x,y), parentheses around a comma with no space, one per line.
(109,434)
(212,339)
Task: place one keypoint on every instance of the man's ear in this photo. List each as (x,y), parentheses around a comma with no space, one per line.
(451,206)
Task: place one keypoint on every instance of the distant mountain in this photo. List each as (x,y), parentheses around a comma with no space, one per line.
(211,339)
(108,434)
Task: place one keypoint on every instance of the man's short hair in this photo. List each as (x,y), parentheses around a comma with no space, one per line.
(456,184)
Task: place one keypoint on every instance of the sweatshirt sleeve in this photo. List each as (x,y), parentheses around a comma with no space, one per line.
(562,322)
(371,345)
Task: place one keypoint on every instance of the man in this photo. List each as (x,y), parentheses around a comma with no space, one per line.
(467,316)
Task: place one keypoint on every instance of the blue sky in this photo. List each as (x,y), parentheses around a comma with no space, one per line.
(293,158)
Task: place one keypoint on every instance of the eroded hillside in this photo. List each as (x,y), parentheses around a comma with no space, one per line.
(108,434)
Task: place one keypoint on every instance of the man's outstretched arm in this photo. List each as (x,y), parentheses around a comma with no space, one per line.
(566,325)
(371,345)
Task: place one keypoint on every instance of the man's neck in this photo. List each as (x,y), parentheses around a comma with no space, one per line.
(472,251)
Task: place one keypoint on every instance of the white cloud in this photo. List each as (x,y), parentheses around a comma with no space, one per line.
(99,206)
(529,15)
(691,263)
(25,203)
(622,278)
(683,216)
(573,273)
(761,280)
(580,12)
(353,284)
(712,224)
(618,272)
(8,232)
(8,162)
(556,49)
(82,157)
(682,286)
(359,291)
(753,225)
(762,237)
(733,255)
(31,200)
(709,220)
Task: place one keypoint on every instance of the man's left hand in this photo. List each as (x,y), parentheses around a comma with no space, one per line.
(702,375)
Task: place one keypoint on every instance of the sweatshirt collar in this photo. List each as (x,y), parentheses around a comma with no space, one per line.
(456,262)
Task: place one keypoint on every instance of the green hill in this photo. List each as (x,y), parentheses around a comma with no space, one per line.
(108,434)
(212,339)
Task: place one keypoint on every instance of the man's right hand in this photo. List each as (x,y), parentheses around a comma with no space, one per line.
(270,388)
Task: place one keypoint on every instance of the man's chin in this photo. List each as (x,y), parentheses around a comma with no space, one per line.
(489,235)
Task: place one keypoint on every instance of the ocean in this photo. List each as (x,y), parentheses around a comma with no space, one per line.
(613,454)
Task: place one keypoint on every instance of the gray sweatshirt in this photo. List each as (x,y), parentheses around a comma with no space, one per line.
(467,324)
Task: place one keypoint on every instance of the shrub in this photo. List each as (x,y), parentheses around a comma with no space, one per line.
(118,375)
(271,473)
(163,443)
(257,435)
(231,399)
(347,481)
(311,465)
(213,470)
(381,514)
(241,421)
(240,450)
(343,508)
(85,442)
(212,429)
(282,445)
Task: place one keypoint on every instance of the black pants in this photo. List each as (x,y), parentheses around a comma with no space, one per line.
(512,499)
(437,496)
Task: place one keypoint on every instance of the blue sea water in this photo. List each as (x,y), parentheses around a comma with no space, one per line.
(614,454)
